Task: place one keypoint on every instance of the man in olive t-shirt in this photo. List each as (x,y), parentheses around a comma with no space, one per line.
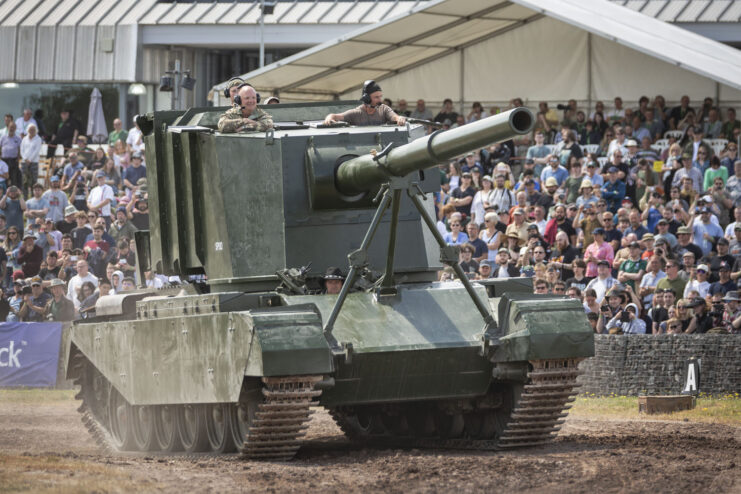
(371,112)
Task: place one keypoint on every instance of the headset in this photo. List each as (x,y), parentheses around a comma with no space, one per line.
(238,99)
(369,87)
(227,88)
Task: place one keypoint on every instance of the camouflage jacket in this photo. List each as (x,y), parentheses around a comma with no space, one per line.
(231,121)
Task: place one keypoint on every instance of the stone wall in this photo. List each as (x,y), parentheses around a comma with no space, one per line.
(646,364)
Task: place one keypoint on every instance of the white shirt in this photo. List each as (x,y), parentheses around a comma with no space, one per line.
(22,125)
(651,280)
(75,283)
(601,287)
(99,194)
(134,141)
(31,148)
(702,288)
(3,170)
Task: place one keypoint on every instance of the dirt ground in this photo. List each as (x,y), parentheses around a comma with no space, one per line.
(45,448)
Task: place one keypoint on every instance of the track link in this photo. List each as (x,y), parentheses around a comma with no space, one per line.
(281,418)
(542,404)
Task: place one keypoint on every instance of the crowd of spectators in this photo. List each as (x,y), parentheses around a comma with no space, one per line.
(636,212)
(68,214)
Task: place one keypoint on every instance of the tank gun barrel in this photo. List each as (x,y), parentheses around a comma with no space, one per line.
(363,173)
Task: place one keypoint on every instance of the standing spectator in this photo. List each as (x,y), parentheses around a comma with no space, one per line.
(13,206)
(632,269)
(59,307)
(598,251)
(135,139)
(34,303)
(16,300)
(698,282)
(649,282)
(102,196)
(24,122)
(481,200)
(75,283)
(52,268)
(118,133)
(539,152)
(37,207)
(463,195)
(635,225)
(30,152)
(565,255)
(613,191)
(724,284)
(57,202)
(10,152)
(30,256)
(123,228)
(603,282)
(500,196)
(80,233)
(66,133)
(706,233)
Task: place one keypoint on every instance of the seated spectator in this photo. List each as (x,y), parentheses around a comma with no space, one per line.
(485,268)
(724,284)
(75,283)
(593,318)
(573,292)
(732,313)
(541,287)
(456,236)
(466,259)
(128,284)
(650,280)
(613,191)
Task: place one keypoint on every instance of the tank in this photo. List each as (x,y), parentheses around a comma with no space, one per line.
(237,360)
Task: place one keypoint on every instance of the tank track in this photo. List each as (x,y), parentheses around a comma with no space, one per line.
(282,418)
(536,416)
(274,433)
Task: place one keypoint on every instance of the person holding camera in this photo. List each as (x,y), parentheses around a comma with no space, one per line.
(626,321)
(732,313)
(701,320)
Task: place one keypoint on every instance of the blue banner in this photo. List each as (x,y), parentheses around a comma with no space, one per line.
(29,353)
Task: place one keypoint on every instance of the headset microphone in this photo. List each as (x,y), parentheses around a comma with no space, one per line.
(369,87)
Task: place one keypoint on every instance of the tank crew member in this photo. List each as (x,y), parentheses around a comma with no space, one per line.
(371,112)
(231,88)
(245,115)
(333,281)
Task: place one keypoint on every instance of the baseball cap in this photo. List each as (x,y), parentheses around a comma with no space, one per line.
(70,210)
(648,236)
(598,231)
(551,182)
(519,211)
(631,142)
(36,280)
(592,164)
(503,249)
(486,177)
(662,221)
(724,266)
(684,229)
(466,174)
(723,241)
(603,263)
(613,169)
(99,173)
(486,263)
(54,178)
(703,267)
(635,245)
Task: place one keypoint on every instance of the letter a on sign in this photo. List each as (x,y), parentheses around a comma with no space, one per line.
(692,383)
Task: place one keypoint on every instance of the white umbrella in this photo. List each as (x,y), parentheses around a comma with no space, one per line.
(96,127)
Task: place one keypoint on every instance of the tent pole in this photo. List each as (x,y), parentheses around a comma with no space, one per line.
(589,74)
(462,95)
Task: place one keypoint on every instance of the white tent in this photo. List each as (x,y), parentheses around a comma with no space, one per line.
(493,50)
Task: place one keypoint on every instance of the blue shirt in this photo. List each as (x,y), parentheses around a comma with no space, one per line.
(13,213)
(133,174)
(653,218)
(711,229)
(613,194)
(639,232)
(462,238)
(36,204)
(70,170)
(560,174)
(11,146)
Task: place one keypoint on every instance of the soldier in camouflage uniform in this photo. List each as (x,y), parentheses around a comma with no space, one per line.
(245,115)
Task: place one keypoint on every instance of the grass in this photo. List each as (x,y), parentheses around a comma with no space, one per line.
(55,474)
(709,409)
(36,395)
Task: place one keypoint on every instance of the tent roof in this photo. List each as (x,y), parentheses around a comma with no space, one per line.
(440,27)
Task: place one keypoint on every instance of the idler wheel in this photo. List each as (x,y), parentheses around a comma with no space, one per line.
(142,424)
(240,417)
(192,428)
(166,428)
(120,421)
(218,428)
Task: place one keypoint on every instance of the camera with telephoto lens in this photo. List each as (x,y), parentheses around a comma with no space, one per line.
(562,107)
(26,290)
(717,312)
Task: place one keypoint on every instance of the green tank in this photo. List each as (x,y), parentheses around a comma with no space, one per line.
(238,360)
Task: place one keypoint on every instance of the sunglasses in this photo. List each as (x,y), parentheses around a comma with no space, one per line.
(673,327)
(455,224)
